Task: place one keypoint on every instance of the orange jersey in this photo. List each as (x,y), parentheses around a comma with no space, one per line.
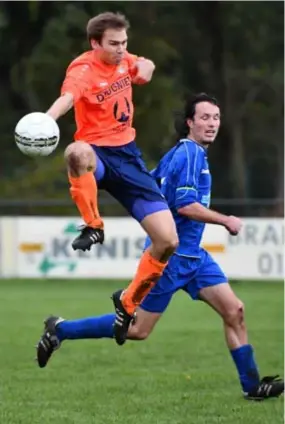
(102,99)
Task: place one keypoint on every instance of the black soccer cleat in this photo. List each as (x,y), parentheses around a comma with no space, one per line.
(88,237)
(122,320)
(268,387)
(49,342)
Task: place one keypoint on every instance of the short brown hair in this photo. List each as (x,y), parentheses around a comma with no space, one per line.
(107,20)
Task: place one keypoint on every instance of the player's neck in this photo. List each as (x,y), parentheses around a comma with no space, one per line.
(203,144)
(99,58)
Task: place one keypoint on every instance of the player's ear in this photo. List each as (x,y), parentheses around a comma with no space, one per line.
(189,123)
(94,44)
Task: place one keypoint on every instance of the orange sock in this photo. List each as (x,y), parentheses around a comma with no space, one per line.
(84,191)
(148,273)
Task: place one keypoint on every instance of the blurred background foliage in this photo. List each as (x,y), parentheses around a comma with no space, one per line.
(233,50)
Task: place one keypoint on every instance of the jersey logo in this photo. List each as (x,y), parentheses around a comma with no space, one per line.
(122,70)
(122,111)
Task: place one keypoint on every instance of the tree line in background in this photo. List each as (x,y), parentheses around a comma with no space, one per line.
(232,50)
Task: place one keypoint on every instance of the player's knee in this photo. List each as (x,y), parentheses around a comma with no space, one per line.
(173,241)
(241,311)
(80,158)
(168,242)
(171,244)
(234,316)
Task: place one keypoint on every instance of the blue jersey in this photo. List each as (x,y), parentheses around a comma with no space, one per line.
(184,177)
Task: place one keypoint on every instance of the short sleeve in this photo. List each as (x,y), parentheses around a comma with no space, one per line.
(77,80)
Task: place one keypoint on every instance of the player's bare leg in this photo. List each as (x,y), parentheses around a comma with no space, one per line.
(143,324)
(161,229)
(223,300)
(81,164)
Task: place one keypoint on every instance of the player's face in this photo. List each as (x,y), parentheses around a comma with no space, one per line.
(113,46)
(206,123)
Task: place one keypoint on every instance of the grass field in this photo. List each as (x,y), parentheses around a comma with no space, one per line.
(182,374)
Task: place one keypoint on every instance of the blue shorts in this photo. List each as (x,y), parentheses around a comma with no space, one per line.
(122,172)
(183,273)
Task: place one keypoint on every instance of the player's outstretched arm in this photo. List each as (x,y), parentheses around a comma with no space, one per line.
(61,106)
(198,212)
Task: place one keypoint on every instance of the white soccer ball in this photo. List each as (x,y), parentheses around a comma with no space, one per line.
(37,134)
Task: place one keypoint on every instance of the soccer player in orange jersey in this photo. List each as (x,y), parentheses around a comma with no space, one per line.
(98,85)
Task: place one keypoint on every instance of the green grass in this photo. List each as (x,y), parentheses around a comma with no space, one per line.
(182,374)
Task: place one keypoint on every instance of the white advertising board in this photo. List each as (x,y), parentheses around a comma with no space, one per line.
(44,249)
(41,247)
(257,252)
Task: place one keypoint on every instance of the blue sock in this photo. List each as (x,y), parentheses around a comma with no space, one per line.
(246,366)
(86,328)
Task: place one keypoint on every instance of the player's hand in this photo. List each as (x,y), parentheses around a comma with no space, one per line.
(233,225)
(144,71)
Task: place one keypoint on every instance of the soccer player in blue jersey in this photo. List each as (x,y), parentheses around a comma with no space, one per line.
(185,180)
